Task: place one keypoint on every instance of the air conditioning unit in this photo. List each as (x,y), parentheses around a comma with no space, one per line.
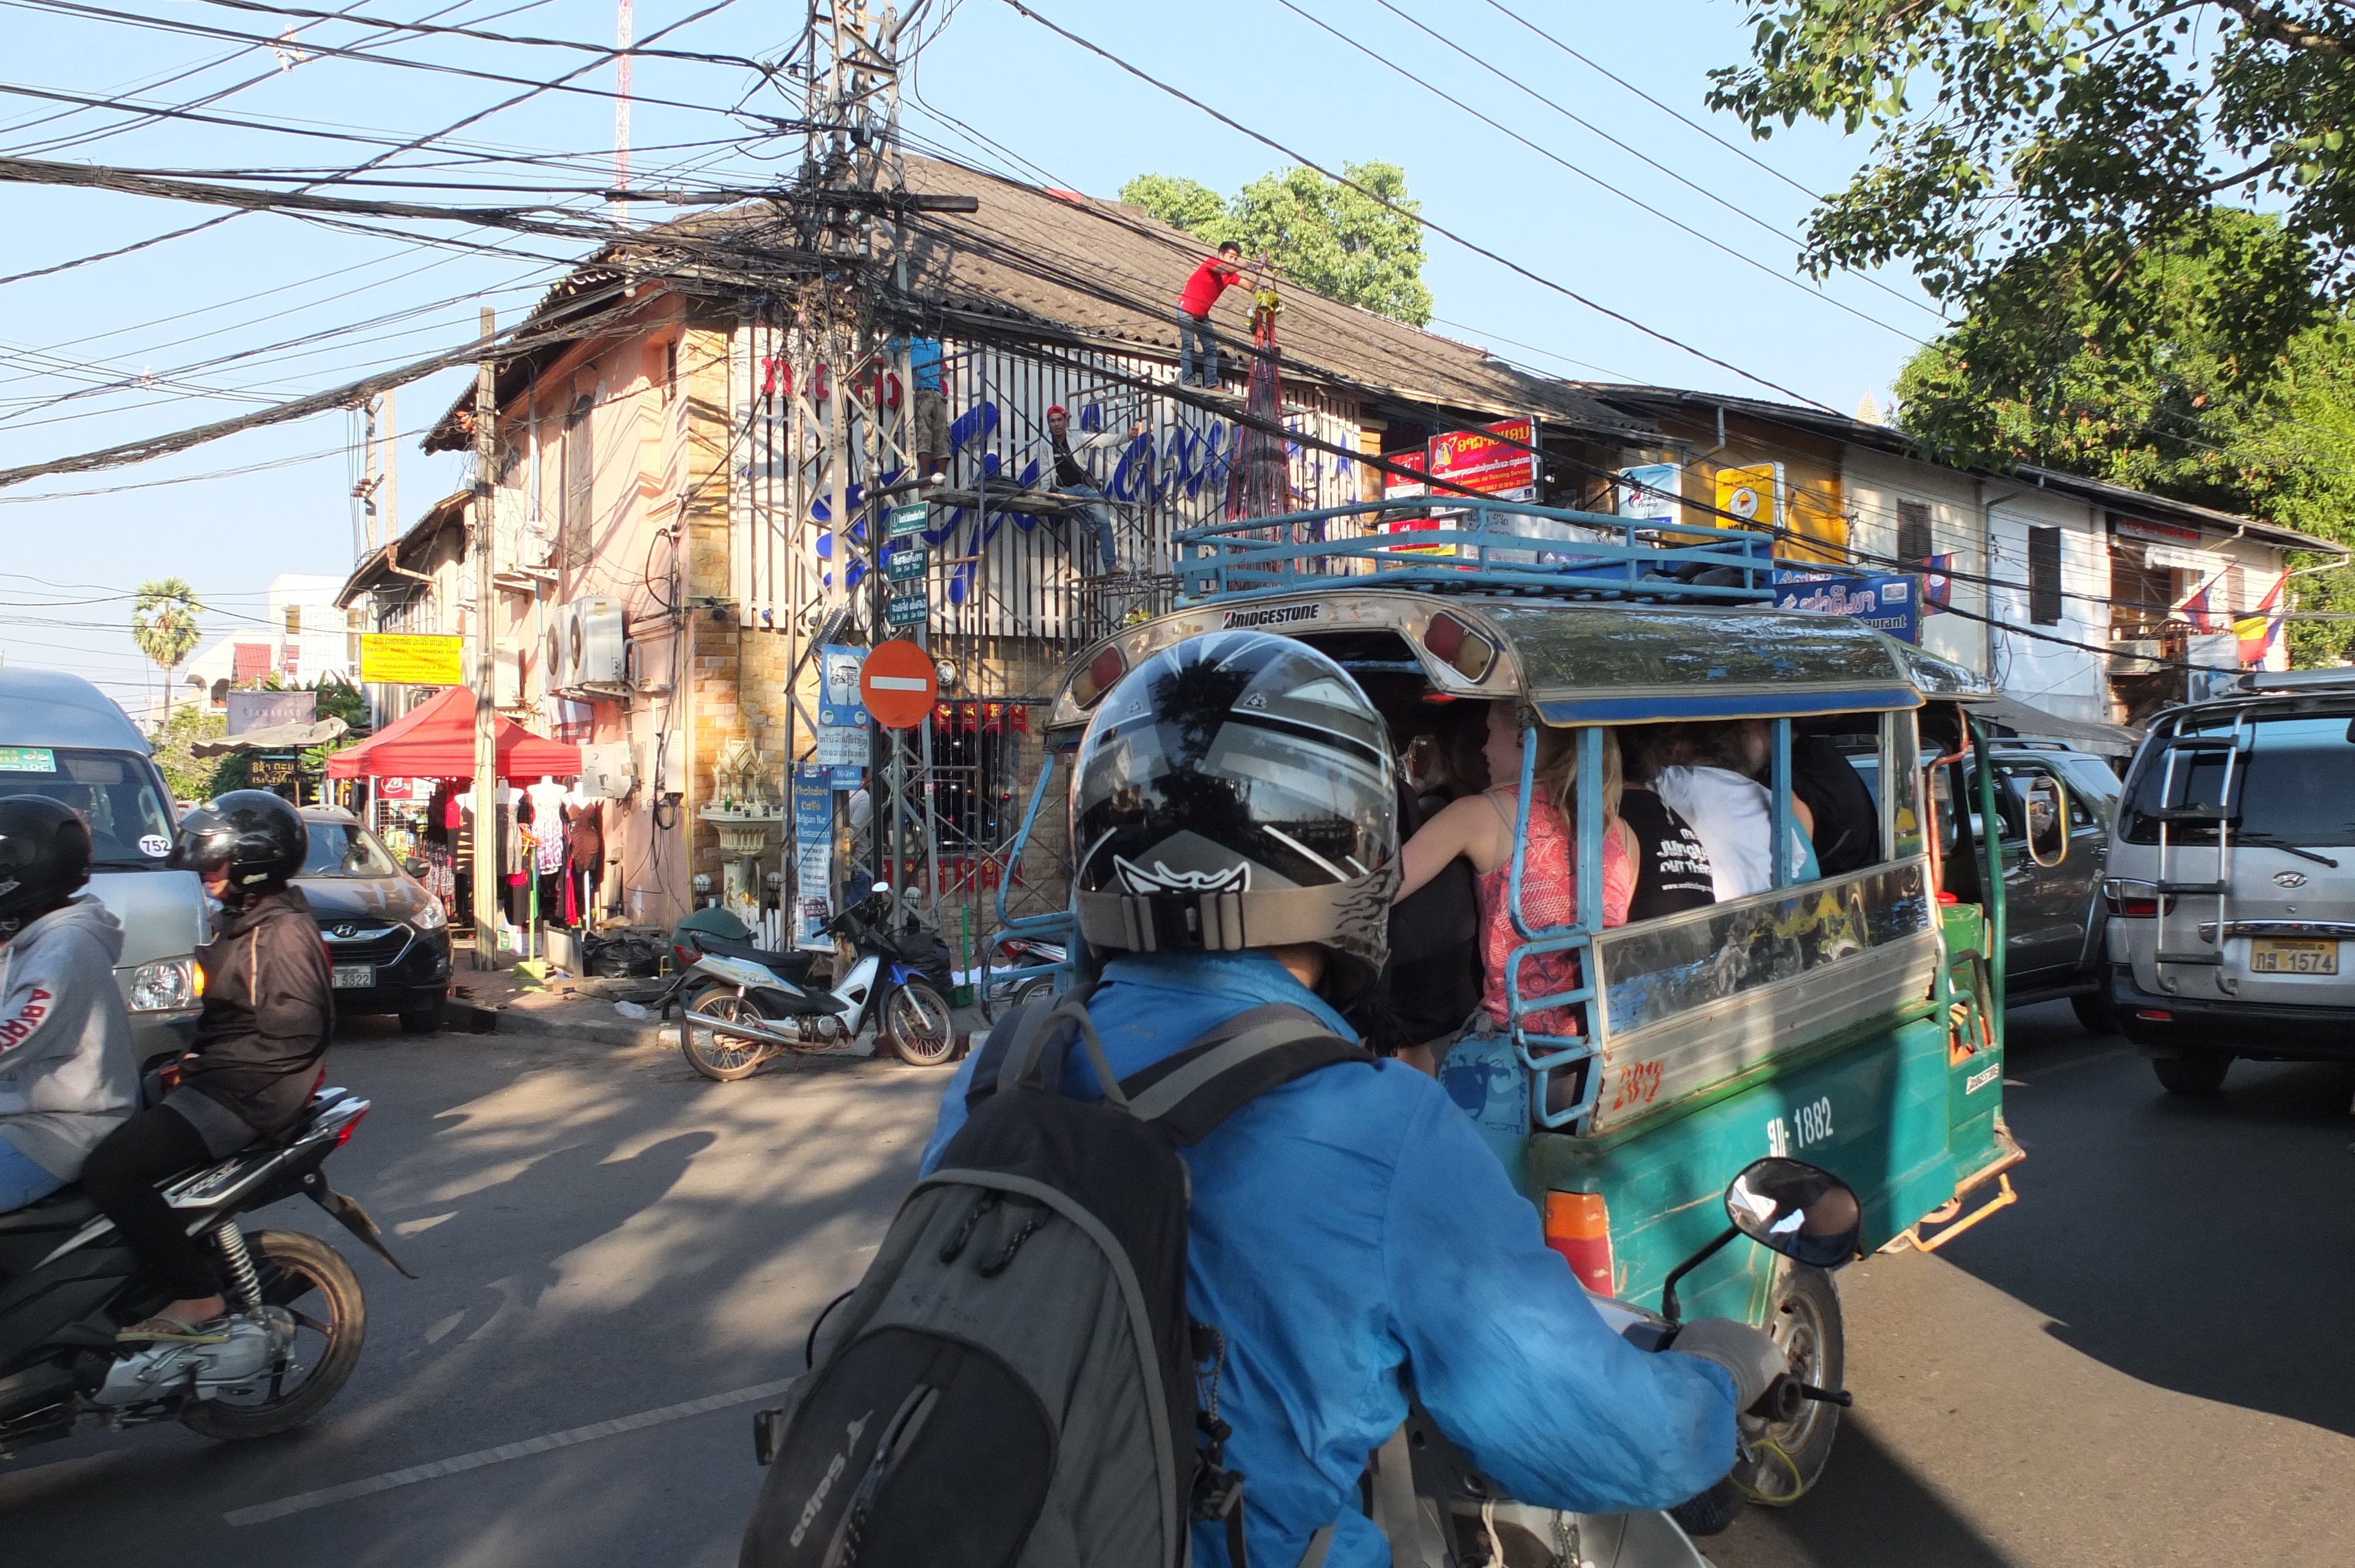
(598,643)
(556,656)
(607,769)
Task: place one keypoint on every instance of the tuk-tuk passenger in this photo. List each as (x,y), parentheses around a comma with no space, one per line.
(1672,870)
(1480,829)
(1709,775)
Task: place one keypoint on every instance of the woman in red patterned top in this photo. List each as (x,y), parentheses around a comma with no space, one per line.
(1480,828)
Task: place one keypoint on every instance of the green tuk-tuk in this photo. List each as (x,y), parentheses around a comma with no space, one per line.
(1853,1022)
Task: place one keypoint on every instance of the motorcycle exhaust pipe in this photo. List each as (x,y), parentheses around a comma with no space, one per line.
(740,1028)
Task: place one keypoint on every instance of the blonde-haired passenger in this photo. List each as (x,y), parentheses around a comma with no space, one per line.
(1480,829)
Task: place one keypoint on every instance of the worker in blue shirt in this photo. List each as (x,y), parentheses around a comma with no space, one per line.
(1351,1225)
(928,405)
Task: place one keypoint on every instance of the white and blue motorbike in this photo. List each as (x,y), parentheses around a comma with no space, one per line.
(747,1004)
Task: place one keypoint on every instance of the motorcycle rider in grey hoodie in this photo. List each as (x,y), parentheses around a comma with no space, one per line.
(66,1076)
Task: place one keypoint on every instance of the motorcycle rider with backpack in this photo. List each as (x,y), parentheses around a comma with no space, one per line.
(1334,1225)
(269,1008)
(66,1077)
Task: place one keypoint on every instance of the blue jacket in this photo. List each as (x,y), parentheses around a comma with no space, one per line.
(1352,1222)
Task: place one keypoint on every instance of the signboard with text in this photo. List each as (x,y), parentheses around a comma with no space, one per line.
(1497,459)
(405,659)
(813,854)
(1889,603)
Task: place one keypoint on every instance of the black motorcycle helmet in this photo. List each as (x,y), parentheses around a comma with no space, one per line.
(256,834)
(43,858)
(1235,791)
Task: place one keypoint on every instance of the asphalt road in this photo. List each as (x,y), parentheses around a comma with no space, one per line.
(600,1235)
(2140,1362)
(2145,1361)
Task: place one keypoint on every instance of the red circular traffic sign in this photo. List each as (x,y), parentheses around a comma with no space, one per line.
(898,684)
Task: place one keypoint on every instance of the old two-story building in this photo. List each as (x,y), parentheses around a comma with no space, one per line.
(684,519)
(2083,600)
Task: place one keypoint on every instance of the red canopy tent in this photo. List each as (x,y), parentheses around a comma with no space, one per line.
(437,741)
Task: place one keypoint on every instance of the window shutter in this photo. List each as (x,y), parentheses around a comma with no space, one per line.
(2044,575)
(1913,530)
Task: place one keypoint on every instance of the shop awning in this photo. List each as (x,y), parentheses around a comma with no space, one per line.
(276,737)
(2009,716)
(437,741)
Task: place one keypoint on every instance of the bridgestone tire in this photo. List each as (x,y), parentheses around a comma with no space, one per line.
(716,1055)
(310,1279)
(1805,1321)
(921,1029)
(2200,1073)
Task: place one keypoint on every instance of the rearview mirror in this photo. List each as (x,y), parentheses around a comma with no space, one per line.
(1788,1206)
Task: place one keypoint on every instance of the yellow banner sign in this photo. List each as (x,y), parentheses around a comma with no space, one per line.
(400,659)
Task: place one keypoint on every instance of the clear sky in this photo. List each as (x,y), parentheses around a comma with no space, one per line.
(265,307)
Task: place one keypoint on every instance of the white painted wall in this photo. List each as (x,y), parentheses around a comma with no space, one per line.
(2068,682)
(1872,483)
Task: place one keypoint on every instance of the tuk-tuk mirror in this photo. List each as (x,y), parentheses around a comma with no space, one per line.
(1788,1206)
(2047,800)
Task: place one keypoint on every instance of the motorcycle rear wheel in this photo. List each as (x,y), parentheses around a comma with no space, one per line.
(920,1026)
(716,1055)
(294,1267)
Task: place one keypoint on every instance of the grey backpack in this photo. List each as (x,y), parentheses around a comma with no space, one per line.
(1013,1382)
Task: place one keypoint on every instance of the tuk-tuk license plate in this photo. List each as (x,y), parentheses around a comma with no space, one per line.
(354,977)
(2278,956)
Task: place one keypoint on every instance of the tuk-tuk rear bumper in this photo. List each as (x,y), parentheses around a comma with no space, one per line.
(2267,1030)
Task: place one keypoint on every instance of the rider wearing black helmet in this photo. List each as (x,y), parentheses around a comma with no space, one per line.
(67,1078)
(1233,820)
(269,1007)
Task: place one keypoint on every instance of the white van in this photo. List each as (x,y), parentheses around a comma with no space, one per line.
(2232,881)
(62,738)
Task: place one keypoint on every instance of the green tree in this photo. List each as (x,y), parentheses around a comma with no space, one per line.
(190,777)
(2163,394)
(163,625)
(2090,130)
(1318,232)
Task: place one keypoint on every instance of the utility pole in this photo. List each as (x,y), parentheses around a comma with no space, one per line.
(621,39)
(486,654)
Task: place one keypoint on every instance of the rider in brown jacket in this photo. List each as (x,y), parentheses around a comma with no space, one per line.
(269,1009)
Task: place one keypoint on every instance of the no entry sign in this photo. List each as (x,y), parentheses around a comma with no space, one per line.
(898,685)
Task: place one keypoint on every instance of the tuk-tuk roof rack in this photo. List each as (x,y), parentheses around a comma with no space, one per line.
(1472,546)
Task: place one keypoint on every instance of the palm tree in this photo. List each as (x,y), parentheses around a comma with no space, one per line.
(164,624)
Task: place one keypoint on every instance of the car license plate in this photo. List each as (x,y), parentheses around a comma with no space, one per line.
(2278,956)
(354,977)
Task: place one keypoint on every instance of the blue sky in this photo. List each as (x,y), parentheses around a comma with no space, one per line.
(144,339)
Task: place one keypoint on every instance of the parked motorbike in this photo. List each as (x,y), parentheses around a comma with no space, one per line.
(759,1006)
(66,1285)
(1012,952)
(1785,1205)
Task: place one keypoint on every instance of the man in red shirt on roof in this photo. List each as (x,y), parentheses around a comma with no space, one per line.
(1212,277)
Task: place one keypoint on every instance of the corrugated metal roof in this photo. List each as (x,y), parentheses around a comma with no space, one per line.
(1068,266)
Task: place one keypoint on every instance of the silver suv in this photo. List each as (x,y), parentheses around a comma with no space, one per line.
(2232,881)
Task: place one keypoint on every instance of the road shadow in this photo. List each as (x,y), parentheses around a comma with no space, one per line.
(2202,1244)
(1869,1510)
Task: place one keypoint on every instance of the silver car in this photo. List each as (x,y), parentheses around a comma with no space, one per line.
(61,737)
(2230,889)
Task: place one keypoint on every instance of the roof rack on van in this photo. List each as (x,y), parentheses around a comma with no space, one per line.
(1472,545)
(2257,682)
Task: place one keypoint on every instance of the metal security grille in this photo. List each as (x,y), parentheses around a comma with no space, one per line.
(2044,575)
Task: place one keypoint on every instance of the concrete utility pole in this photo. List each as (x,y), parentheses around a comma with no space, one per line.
(486,654)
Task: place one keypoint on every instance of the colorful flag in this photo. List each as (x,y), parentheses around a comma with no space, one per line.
(1937,584)
(2261,631)
(2202,610)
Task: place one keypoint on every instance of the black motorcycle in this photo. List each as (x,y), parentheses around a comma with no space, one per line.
(67,1282)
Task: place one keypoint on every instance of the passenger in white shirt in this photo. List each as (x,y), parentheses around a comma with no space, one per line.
(1708,775)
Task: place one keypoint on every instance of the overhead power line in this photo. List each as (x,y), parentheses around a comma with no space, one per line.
(1438,229)
(745,61)
(263,40)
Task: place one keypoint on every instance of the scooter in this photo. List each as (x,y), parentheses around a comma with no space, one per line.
(69,1281)
(756,1006)
(1020,959)
(1440,1512)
